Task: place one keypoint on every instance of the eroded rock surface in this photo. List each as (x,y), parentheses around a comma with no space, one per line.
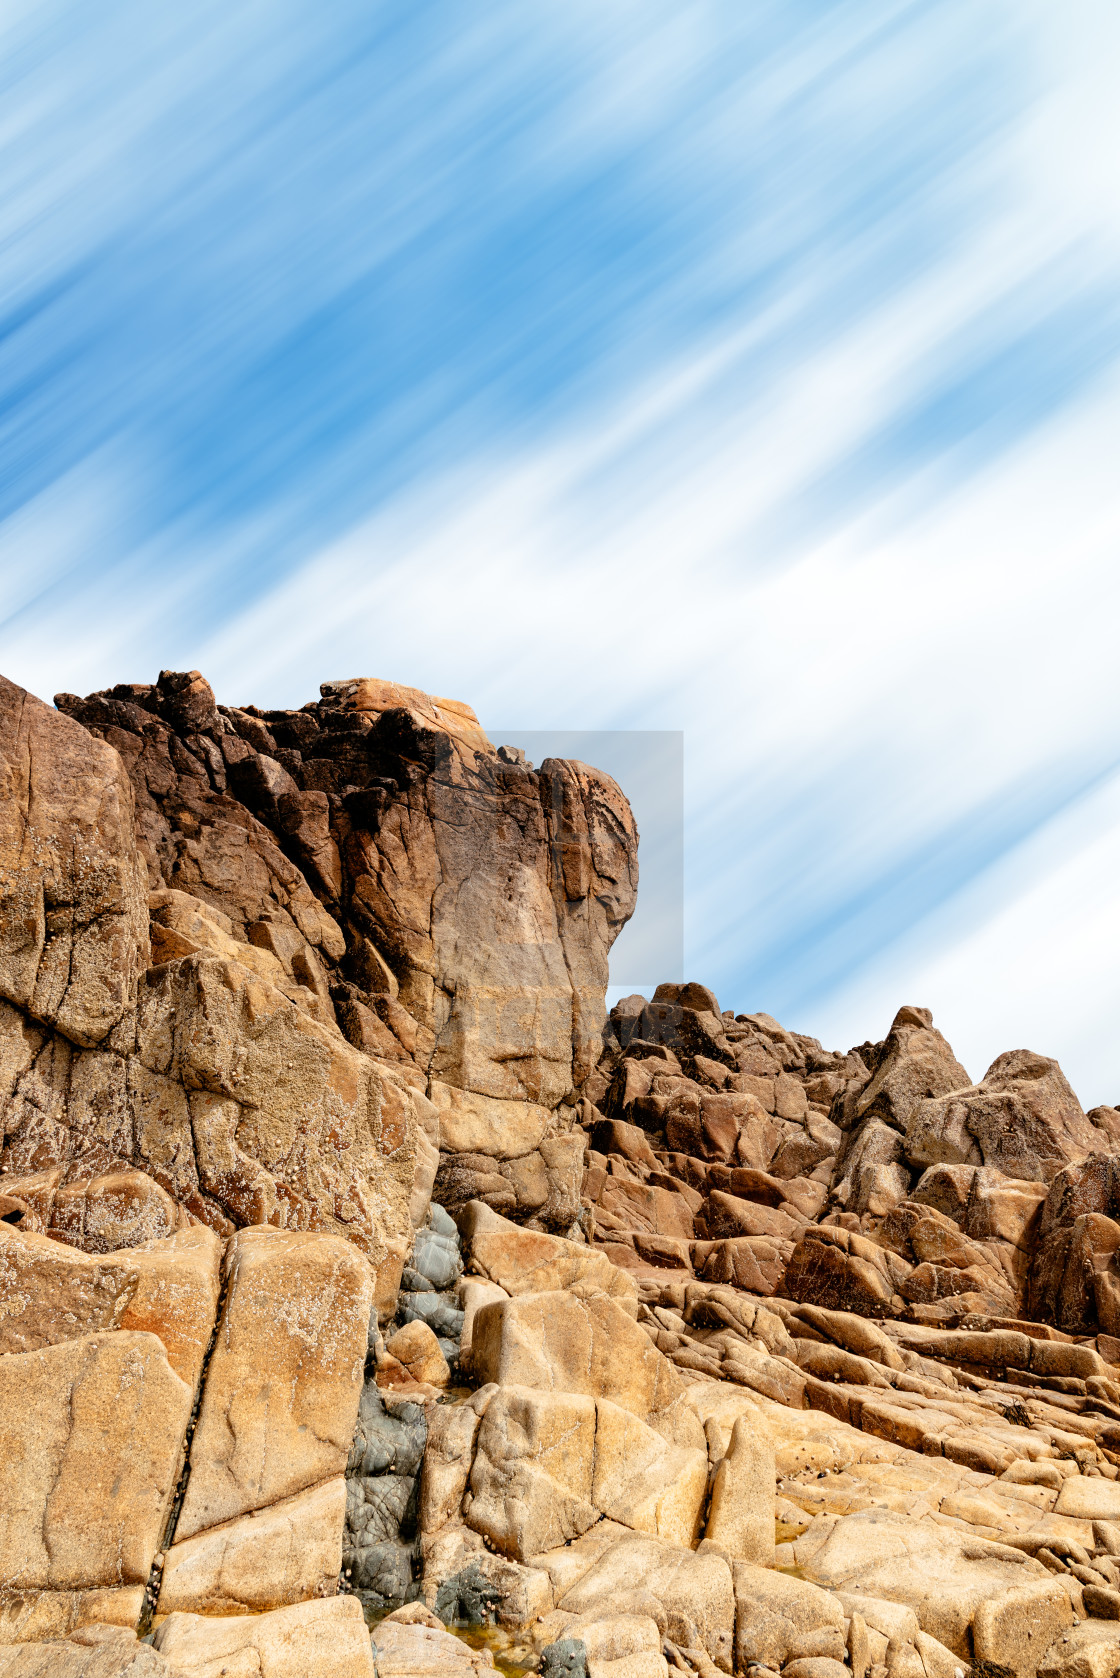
(444,908)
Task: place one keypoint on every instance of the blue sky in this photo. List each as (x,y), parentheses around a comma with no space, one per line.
(746,370)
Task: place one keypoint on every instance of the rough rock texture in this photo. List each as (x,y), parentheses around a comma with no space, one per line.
(50,1293)
(557,1342)
(138,1099)
(912,1065)
(91,1434)
(1016,1630)
(941,1575)
(776,1615)
(289,1551)
(95,1424)
(1022,1118)
(281,1396)
(310,1637)
(444,906)
(741,1514)
(73,889)
(1074,1278)
(529,1261)
(689,1595)
(405,1650)
(33,1617)
(99,1651)
(548,1465)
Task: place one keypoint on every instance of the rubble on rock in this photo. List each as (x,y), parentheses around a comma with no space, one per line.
(356,1268)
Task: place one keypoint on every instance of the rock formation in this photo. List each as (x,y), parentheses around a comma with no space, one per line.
(356,1267)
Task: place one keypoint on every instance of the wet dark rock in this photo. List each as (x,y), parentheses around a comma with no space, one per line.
(381,1573)
(567,1658)
(468,1595)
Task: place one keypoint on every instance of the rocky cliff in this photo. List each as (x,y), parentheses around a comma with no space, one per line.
(356,1268)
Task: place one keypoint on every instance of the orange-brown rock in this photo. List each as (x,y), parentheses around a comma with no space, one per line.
(756,1263)
(136,1099)
(73,891)
(281,1395)
(375,860)
(914,1064)
(727,1215)
(845,1272)
(91,1438)
(1022,1117)
(945,1261)
(50,1293)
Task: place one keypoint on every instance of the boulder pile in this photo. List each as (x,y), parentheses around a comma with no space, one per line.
(372,1302)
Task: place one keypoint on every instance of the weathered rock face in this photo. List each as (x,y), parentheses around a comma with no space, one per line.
(282,1390)
(287,1552)
(91,1434)
(1022,1118)
(73,910)
(139,1100)
(374,860)
(100,1362)
(50,1293)
(547,1466)
(943,1578)
(912,1065)
(556,1342)
(881,1182)
(778,1613)
(844,1271)
(741,1517)
(496,893)
(1074,1271)
(310,1637)
(94,1651)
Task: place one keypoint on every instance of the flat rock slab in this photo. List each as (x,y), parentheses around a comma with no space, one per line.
(689,1595)
(944,1575)
(774,1611)
(547,1465)
(529,1261)
(1090,1650)
(420,1651)
(40,1616)
(91,1433)
(289,1552)
(470,1123)
(282,1389)
(97,1652)
(50,1293)
(311,1640)
(1089,1499)
(557,1343)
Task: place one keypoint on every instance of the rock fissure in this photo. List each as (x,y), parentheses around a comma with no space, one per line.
(167,1536)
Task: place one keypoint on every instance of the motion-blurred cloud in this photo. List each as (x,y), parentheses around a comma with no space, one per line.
(751,371)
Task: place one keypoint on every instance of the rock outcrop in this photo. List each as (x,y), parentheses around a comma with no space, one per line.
(141,1099)
(440,905)
(354,1266)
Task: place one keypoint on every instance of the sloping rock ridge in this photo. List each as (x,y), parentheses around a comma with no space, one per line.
(360,1278)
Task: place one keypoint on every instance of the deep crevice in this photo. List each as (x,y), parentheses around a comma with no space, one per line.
(155,1577)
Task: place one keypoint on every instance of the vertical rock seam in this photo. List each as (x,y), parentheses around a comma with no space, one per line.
(155,1577)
